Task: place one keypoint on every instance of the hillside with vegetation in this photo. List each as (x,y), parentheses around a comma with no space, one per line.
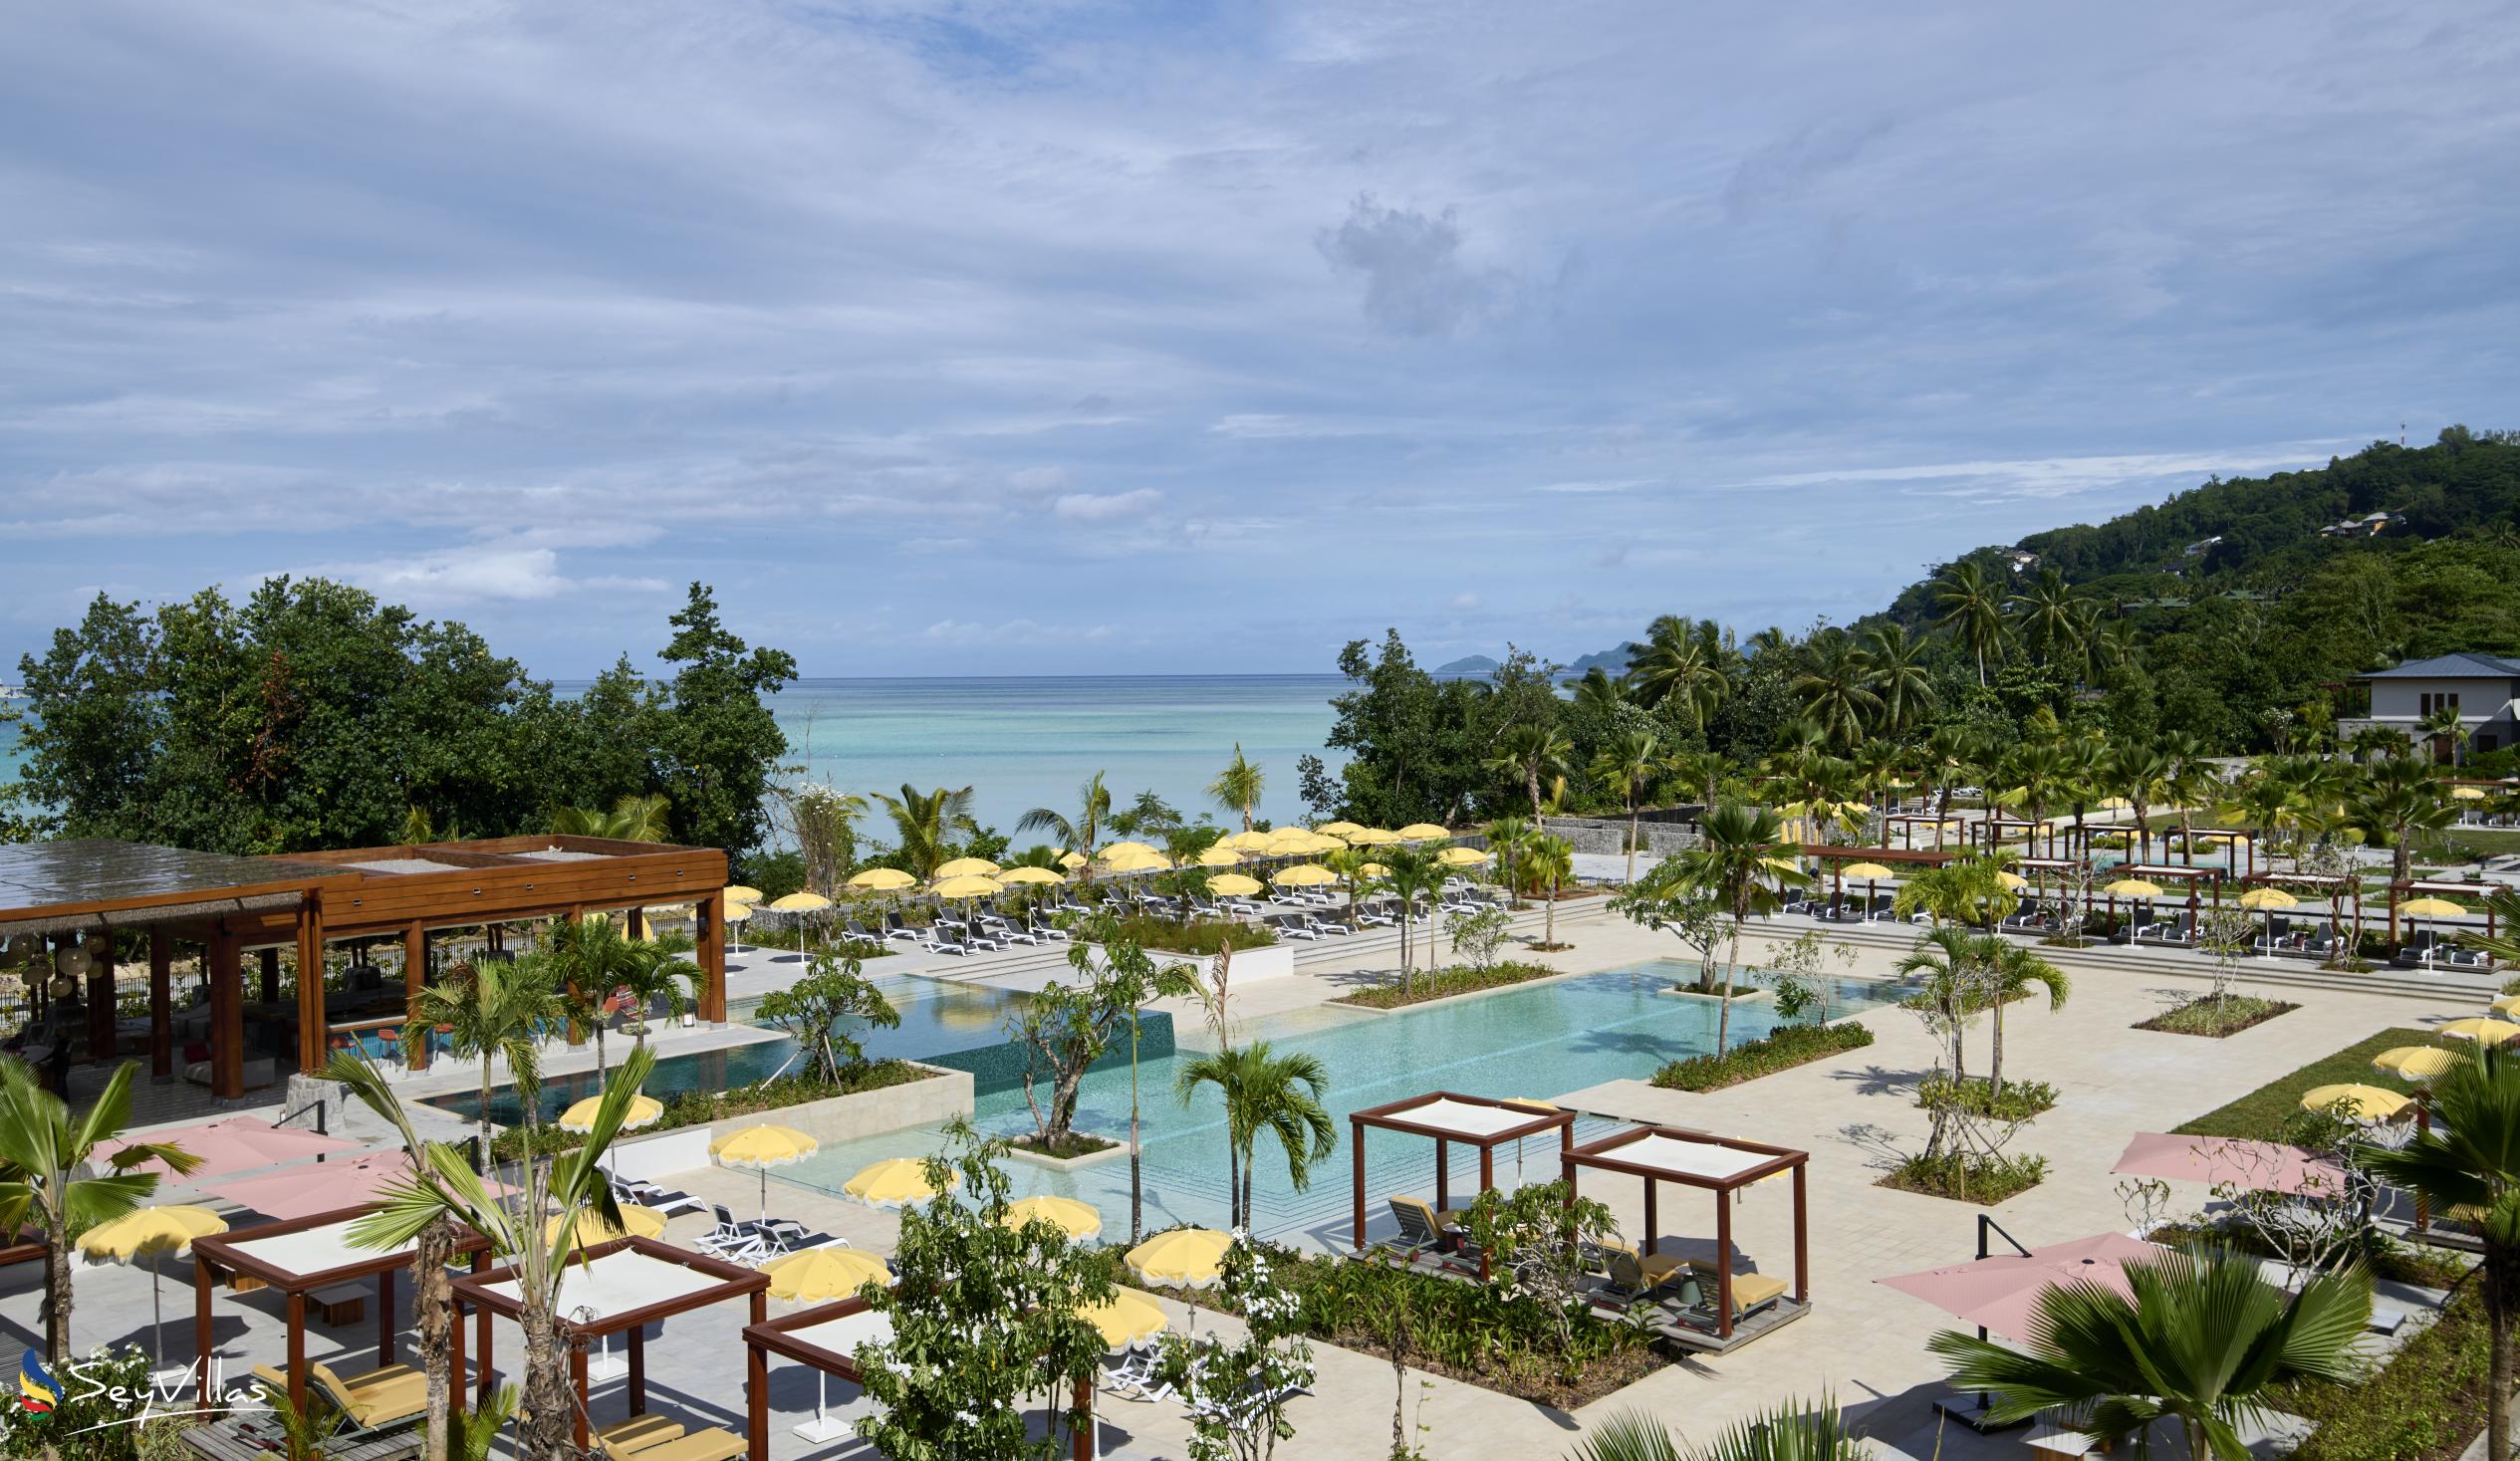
(2223,620)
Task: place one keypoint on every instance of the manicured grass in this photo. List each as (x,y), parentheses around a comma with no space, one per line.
(1782,1049)
(2484,842)
(2263,1114)
(1445,983)
(2217,1019)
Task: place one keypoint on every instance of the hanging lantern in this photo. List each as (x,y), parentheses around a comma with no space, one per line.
(72,961)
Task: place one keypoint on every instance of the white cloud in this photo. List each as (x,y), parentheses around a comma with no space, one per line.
(1013,631)
(1089,507)
(1465,601)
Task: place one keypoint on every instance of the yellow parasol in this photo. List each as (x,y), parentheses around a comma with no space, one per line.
(644,1110)
(763,1147)
(1076,1219)
(882,880)
(1373,869)
(1137,860)
(1121,849)
(800,903)
(1295,842)
(1419,832)
(820,1274)
(2361,1103)
(736,892)
(2483,1031)
(1303,874)
(2415,1062)
(2504,1003)
(1220,857)
(586,1229)
(1014,876)
(2430,909)
(2012,880)
(972,885)
(1245,841)
(1462,856)
(1073,860)
(966,867)
(1126,1319)
(1373,836)
(1870,871)
(1187,1258)
(2133,887)
(146,1236)
(1233,886)
(894,1183)
(1337,829)
(2467,794)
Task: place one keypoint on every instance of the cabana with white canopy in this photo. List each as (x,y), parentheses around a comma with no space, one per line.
(298,1258)
(623,1287)
(1446,1118)
(1723,1165)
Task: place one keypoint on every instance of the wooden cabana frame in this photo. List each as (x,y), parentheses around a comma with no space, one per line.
(1602,1155)
(1429,1123)
(2436,887)
(1907,823)
(733,1281)
(2335,888)
(234,1255)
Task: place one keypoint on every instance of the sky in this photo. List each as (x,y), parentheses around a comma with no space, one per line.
(1045,336)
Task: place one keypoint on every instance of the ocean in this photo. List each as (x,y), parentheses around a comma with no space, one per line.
(1021,742)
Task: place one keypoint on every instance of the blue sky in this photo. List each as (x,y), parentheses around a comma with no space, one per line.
(1053,336)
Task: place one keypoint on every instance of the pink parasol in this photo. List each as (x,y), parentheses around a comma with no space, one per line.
(2262,1166)
(2000,1293)
(237,1145)
(322,1187)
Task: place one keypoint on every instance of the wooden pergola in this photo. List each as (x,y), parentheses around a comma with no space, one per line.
(1446,1118)
(2211,877)
(619,1287)
(83,891)
(1907,823)
(2335,888)
(1723,1165)
(2438,888)
(298,1257)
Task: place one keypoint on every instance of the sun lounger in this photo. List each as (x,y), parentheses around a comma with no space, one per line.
(896,930)
(1421,1227)
(1635,1277)
(712,1444)
(1320,924)
(1288,927)
(384,1398)
(637,1433)
(1751,1294)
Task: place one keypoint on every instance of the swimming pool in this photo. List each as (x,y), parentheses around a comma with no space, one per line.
(1538,1042)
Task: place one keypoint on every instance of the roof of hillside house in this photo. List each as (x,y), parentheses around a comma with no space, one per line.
(2451,667)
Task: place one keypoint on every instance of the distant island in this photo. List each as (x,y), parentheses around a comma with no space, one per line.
(1467,665)
(1611,662)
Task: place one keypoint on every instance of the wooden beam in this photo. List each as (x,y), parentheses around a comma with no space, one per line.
(312,1021)
(415,1037)
(710,933)
(227,1021)
(161,1005)
(101,999)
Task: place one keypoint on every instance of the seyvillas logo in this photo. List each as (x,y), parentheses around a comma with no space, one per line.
(37,1389)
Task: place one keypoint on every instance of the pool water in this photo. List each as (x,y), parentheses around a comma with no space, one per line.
(1539,1041)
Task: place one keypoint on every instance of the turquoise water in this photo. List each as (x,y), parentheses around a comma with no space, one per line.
(1539,1041)
(1025,742)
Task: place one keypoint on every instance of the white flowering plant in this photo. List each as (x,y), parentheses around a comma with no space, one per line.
(1235,1393)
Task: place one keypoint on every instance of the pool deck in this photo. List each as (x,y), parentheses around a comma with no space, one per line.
(1861,1342)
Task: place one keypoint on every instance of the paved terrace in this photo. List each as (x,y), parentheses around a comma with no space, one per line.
(1863,1342)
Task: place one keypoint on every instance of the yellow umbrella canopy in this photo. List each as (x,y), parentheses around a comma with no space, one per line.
(1373,836)
(2467,794)
(2415,1062)
(820,1274)
(1073,860)
(149,1233)
(1337,829)
(644,1110)
(1135,859)
(1076,1219)
(966,867)
(737,893)
(1233,886)
(1126,1319)
(1869,872)
(882,880)
(2133,887)
(765,1146)
(1462,856)
(2113,803)
(1373,869)
(970,886)
(735,913)
(1302,874)
(800,903)
(2012,880)
(1245,841)
(2483,1031)
(1295,842)
(1220,855)
(2504,1003)
(1188,1258)
(2267,897)
(1014,876)
(2430,909)
(1419,832)
(895,1181)
(2362,1102)
(586,1229)
(1121,849)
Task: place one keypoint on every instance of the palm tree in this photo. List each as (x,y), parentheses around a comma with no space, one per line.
(44,1150)
(1785,1433)
(2375,743)
(585,958)
(2193,781)
(1948,960)
(2141,774)
(441,1189)
(1265,1091)
(2444,727)
(1877,766)
(2263,804)
(1543,858)
(1507,837)
(2400,797)
(1949,755)
(2013,969)
(1411,873)
(1835,686)
(929,823)
(1094,814)
(659,968)
(1236,787)
(491,1011)
(1599,694)
(1531,752)
(1900,677)
(1627,766)
(1973,610)
(1700,770)
(2470,1161)
(2037,774)
(2204,1342)
(633,819)
(1739,860)
(1686,664)
(2049,620)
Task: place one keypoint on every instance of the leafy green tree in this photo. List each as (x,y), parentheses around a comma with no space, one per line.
(2010,973)
(1265,1091)
(1627,766)
(492,1011)
(1235,1393)
(1414,742)
(1127,979)
(1079,833)
(1531,754)
(1668,899)
(1237,788)
(717,740)
(929,823)
(1741,861)
(822,1011)
(1901,677)
(1836,684)
(44,1152)
(633,819)
(2400,798)
(1972,608)
(2202,1340)
(986,1315)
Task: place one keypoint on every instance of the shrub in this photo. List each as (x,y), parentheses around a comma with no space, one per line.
(2021,1101)
(2217,1016)
(701,1108)
(1968,1177)
(1782,1048)
(1201,936)
(1445,983)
